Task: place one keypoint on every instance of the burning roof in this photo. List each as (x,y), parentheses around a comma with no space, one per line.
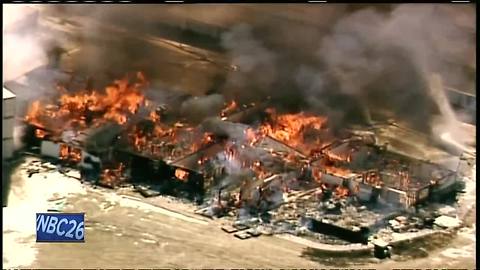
(222,153)
(89,108)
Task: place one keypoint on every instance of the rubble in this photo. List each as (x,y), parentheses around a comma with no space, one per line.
(146,191)
(381,249)
(242,235)
(229,229)
(447,222)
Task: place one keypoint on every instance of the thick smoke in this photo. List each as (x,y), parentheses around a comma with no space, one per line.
(26,46)
(387,61)
(256,71)
(31,49)
(196,109)
(371,63)
(23,45)
(354,65)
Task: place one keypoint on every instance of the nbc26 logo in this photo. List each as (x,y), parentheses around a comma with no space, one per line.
(60,227)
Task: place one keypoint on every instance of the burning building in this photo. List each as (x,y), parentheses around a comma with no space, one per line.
(273,163)
(371,173)
(246,161)
(150,142)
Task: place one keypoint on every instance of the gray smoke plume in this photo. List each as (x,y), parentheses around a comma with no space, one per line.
(371,63)
(256,72)
(387,60)
(353,63)
(196,109)
(24,48)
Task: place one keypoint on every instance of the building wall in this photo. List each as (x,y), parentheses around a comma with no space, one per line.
(393,196)
(464,103)
(332,180)
(361,190)
(8,122)
(445,185)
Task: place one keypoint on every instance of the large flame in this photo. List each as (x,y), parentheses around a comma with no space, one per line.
(168,141)
(89,107)
(294,129)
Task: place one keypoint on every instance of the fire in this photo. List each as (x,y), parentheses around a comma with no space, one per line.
(341,191)
(260,171)
(338,171)
(75,155)
(292,129)
(207,139)
(143,139)
(229,108)
(181,174)
(39,133)
(251,136)
(33,114)
(202,160)
(154,116)
(116,103)
(69,153)
(341,158)
(64,152)
(168,141)
(317,174)
(373,178)
(112,177)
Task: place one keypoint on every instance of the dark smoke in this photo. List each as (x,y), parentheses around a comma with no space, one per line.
(256,72)
(196,109)
(353,63)
(371,63)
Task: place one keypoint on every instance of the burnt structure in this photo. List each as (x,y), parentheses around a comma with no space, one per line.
(369,172)
(352,234)
(249,160)
(373,174)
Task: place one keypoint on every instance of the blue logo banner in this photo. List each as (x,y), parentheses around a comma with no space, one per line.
(60,227)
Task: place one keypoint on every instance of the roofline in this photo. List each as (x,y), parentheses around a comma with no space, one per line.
(460,91)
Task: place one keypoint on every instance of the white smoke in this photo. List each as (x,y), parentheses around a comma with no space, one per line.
(23,45)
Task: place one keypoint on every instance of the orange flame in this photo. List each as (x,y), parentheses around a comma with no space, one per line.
(39,133)
(168,141)
(69,153)
(338,171)
(230,107)
(181,174)
(112,177)
(33,114)
(64,151)
(373,178)
(116,103)
(251,136)
(154,116)
(292,129)
(341,192)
